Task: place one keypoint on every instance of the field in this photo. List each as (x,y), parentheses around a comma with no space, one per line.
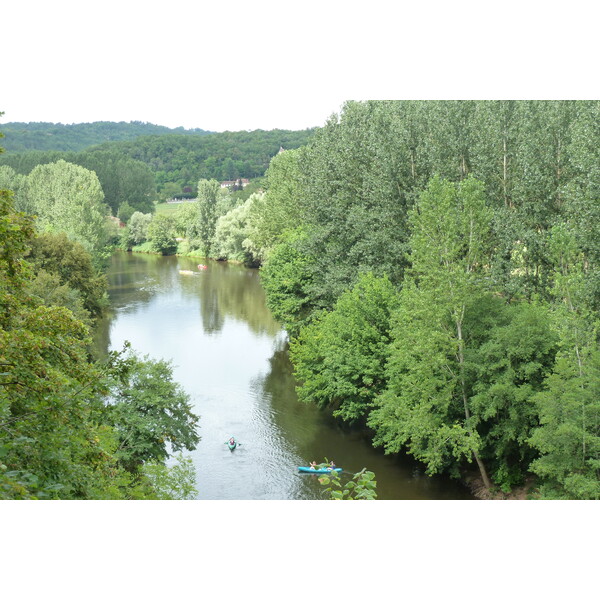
(168,208)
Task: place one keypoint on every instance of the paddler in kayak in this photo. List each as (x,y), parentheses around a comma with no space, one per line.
(313,465)
(232,443)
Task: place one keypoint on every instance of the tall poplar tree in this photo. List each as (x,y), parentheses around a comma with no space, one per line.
(569,434)
(427,404)
(207,212)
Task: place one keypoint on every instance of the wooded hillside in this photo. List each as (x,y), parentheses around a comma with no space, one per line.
(22,137)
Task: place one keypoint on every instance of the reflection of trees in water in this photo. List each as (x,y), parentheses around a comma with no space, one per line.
(101,336)
(301,424)
(134,277)
(210,308)
(230,291)
(224,290)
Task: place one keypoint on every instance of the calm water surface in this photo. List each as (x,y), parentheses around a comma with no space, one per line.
(230,356)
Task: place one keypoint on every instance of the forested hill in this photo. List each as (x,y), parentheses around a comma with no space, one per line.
(22,137)
(228,155)
(178,161)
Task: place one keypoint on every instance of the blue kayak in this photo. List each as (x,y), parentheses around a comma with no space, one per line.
(309,470)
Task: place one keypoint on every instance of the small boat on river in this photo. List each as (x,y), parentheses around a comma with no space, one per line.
(313,470)
(232,444)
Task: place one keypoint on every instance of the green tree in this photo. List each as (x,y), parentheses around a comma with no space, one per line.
(186,221)
(149,410)
(340,357)
(231,240)
(56,440)
(137,229)
(161,234)
(69,198)
(287,277)
(123,179)
(47,436)
(354,200)
(11,180)
(568,438)
(510,351)
(207,212)
(581,193)
(174,482)
(426,406)
(49,289)
(56,254)
(280,208)
(125,211)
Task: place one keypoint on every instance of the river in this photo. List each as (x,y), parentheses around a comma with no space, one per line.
(230,356)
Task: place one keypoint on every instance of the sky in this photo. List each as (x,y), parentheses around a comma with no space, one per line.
(233,65)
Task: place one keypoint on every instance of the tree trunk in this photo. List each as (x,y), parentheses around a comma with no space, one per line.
(461,360)
(507,203)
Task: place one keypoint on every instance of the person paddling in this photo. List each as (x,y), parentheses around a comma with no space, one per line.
(232,443)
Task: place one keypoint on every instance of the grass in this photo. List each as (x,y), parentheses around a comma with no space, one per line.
(146,247)
(167,208)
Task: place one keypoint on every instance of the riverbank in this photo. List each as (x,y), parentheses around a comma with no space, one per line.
(523,492)
(182,251)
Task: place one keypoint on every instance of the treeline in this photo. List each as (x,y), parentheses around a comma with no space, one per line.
(24,137)
(127,184)
(179,161)
(154,167)
(436,265)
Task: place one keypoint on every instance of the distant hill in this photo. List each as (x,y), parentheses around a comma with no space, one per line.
(177,160)
(184,159)
(23,137)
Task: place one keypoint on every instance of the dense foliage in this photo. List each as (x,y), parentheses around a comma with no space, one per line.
(180,161)
(123,179)
(480,216)
(71,427)
(22,137)
(140,170)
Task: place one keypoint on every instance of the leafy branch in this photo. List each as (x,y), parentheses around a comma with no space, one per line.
(360,487)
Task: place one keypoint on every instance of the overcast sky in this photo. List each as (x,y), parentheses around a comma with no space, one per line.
(238,65)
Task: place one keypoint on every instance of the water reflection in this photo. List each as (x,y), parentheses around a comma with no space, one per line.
(230,355)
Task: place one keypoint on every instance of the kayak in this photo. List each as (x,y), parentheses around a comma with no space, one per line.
(232,446)
(309,470)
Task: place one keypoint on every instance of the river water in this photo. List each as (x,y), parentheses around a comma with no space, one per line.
(230,356)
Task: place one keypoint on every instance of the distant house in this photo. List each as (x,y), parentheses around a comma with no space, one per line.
(238,183)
